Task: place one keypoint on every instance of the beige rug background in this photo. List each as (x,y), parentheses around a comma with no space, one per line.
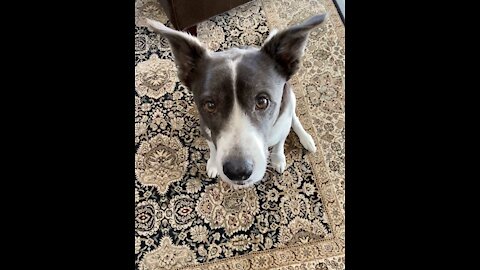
(290,221)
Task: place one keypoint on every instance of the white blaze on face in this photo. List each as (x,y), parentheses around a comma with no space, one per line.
(241,138)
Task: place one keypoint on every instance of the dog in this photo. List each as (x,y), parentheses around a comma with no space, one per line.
(245,102)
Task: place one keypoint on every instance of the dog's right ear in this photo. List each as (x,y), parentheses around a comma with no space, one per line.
(187,50)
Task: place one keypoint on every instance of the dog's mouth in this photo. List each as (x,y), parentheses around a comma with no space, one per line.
(238,184)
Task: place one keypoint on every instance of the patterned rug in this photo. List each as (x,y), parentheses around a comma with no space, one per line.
(185,220)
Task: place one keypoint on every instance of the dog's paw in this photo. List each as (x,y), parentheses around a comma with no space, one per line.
(307,141)
(279,163)
(212,170)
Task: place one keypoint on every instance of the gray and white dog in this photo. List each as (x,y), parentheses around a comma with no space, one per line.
(245,102)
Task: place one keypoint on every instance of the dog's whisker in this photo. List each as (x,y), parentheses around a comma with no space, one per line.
(270,171)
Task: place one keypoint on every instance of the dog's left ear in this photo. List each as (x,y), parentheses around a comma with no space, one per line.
(287,46)
(187,50)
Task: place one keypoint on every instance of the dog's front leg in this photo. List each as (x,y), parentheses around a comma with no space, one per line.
(305,139)
(212,169)
(277,157)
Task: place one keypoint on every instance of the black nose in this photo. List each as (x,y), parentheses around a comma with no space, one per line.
(237,169)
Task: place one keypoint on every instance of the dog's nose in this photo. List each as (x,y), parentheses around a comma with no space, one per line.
(237,169)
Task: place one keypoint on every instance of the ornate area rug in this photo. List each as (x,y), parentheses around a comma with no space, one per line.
(183,219)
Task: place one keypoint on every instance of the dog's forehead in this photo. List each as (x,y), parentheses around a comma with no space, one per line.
(248,67)
(256,72)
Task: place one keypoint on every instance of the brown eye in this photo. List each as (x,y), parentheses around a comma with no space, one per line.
(261,103)
(209,106)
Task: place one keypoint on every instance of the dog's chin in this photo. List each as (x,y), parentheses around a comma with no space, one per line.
(235,185)
(250,182)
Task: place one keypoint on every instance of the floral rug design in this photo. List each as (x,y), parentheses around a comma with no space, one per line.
(185,220)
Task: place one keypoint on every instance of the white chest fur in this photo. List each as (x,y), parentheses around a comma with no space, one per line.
(282,127)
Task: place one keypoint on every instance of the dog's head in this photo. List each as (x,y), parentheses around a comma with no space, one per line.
(238,93)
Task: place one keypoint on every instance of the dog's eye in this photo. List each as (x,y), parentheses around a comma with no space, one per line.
(261,103)
(209,106)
